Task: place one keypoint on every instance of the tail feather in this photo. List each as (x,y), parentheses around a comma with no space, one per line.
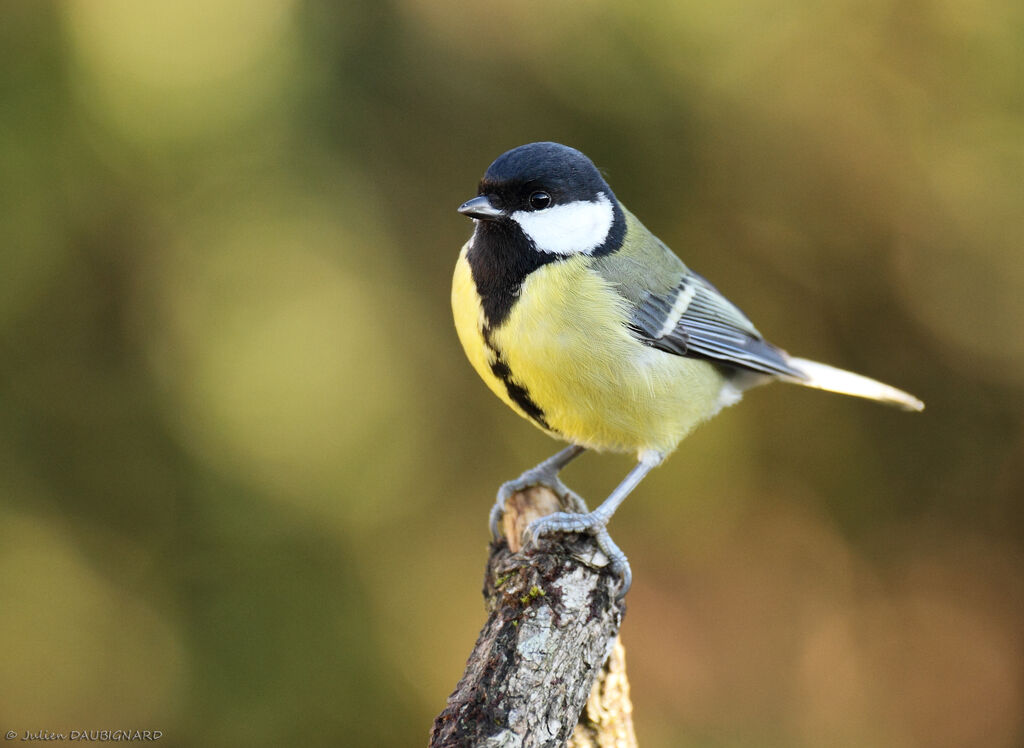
(825,377)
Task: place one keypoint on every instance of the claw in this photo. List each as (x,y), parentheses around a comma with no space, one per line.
(594,523)
(564,522)
(618,560)
(545,474)
(497,512)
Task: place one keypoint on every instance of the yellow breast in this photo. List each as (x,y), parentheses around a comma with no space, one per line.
(566,344)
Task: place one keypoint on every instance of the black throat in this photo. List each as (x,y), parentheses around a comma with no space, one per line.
(502,256)
(500,259)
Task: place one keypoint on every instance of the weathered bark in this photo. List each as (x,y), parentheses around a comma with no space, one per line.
(553,622)
(607,720)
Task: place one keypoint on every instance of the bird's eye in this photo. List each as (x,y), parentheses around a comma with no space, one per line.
(540,200)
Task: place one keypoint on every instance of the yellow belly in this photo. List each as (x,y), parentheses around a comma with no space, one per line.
(566,342)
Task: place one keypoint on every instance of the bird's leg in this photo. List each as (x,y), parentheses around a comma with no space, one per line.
(596,522)
(545,474)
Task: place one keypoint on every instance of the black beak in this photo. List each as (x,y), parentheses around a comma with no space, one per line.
(480,207)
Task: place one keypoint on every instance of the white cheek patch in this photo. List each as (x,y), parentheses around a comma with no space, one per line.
(576,228)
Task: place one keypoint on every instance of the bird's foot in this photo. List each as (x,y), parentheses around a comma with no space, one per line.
(538,476)
(595,523)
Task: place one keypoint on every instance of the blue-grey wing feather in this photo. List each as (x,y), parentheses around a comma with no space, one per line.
(695,320)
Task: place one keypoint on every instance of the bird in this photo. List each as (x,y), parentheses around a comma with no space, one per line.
(586,324)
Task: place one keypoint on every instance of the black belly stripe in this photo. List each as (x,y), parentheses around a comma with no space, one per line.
(519,394)
(500,259)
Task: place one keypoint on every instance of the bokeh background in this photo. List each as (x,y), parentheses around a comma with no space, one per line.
(245,470)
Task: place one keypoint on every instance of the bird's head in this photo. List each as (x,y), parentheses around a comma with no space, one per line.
(554,195)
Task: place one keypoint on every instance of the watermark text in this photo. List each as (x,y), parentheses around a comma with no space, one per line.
(85,736)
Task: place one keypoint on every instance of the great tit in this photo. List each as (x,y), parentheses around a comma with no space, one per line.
(587,325)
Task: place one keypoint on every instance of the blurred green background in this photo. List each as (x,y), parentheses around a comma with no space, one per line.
(245,469)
